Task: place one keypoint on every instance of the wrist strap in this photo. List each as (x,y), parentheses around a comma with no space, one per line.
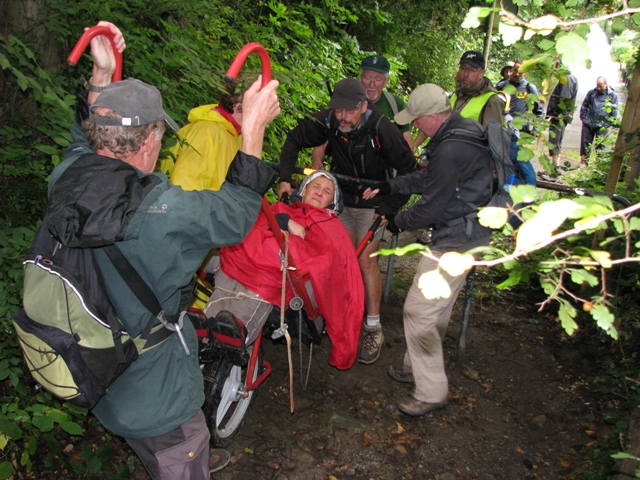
(96,88)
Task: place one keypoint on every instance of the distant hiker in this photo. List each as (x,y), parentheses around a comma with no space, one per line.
(562,104)
(598,110)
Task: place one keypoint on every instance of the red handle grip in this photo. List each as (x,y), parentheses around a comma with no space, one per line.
(83,41)
(242,55)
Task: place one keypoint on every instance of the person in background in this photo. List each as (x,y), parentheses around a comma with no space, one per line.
(598,110)
(459,177)
(365,144)
(520,105)
(475,97)
(374,75)
(505,73)
(207,144)
(562,104)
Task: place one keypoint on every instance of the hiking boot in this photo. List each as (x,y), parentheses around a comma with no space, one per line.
(416,408)
(218,459)
(370,344)
(228,335)
(401,374)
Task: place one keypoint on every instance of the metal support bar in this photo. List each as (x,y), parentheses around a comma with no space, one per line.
(389,276)
(466,311)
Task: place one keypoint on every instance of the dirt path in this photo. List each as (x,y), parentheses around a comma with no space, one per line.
(518,408)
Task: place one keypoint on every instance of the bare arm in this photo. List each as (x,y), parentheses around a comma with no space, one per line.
(259,107)
(104,59)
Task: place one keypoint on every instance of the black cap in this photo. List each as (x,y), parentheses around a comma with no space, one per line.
(348,93)
(473,58)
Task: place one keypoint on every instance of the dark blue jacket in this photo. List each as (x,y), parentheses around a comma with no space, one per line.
(599,108)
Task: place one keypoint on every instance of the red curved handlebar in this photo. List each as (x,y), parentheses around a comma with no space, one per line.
(242,55)
(81,45)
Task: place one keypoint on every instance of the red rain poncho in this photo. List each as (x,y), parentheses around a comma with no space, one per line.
(326,252)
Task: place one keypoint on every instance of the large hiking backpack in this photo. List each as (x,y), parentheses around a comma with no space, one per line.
(497,140)
(73,343)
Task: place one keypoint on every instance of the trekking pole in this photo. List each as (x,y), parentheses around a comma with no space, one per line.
(369,236)
(83,41)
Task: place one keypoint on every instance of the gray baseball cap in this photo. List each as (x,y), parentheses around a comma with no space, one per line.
(349,93)
(138,103)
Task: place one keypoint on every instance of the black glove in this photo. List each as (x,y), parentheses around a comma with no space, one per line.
(391,226)
(383,187)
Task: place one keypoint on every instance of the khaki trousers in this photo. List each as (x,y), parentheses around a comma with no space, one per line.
(425,324)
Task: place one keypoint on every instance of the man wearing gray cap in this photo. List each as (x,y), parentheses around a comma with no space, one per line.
(458,179)
(364,144)
(165,233)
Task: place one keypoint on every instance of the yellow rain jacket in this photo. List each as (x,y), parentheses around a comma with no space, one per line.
(211,144)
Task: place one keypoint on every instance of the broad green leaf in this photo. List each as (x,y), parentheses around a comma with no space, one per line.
(567,313)
(548,286)
(4,63)
(94,466)
(410,249)
(57,415)
(510,33)
(622,455)
(523,194)
(434,286)
(71,428)
(476,15)
(6,470)
(618,25)
(493,217)
(582,276)
(525,154)
(636,18)
(10,429)
(574,50)
(45,424)
(604,318)
(618,224)
(602,257)
(49,150)
(3,441)
(546,45)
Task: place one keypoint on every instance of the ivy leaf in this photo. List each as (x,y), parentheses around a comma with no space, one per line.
(603,258)
(540,228)
(582,276)
(455,264)
(634,223)
(514,278)
(71,428)
(567,313)
(493,217)
(604,318)
(510,33)
(574,50)
(434,286)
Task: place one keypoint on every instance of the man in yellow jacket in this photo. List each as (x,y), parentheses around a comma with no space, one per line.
(207,145)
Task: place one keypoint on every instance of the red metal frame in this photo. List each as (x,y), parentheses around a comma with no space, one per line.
(81,45)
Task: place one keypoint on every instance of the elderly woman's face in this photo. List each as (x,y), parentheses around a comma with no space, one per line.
(319,192)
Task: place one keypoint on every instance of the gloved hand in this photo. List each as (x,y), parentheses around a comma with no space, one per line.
(391,226)
(383,187)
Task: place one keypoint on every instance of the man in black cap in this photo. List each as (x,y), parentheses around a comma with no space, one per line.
(166,233)
(364,144)
(475,97)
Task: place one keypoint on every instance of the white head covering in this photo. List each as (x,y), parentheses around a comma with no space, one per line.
(337,205)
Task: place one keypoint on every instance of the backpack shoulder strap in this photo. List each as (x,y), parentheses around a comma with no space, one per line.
(392,101)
